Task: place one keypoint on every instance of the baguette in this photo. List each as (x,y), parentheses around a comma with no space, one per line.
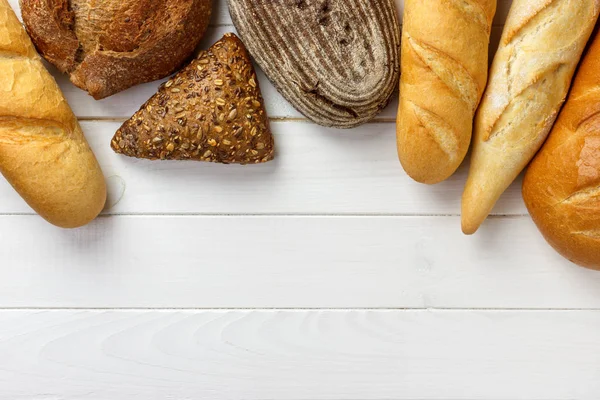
(540,48)
(562,185)
(43,153)
(444,72)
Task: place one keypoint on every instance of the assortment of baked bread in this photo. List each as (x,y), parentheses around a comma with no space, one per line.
(338,62)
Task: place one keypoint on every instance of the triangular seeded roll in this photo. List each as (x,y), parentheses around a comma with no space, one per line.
(212,110)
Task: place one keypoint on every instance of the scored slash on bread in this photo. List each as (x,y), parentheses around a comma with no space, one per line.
(212,110)
(43,152)
(529,79)
(444,72)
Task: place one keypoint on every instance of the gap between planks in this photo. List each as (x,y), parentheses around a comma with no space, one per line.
(303,309)
(278,215)
(272,119)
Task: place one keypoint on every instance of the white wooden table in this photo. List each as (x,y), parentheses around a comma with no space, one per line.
(327,274)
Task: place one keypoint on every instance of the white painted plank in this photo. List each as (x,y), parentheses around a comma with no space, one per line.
(124,104)
(317,171)
(306,355)
(290,262)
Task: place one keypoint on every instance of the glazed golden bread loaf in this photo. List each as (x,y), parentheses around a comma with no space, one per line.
(43,152)
(110,45)
(540,48)
(562,185)
(444,72)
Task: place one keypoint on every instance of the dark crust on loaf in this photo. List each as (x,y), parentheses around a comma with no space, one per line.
(336,61)
(212,110)
(50,24)
(121,43)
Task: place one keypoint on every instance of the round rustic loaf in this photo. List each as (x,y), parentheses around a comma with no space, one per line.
(336,61)
(109,46)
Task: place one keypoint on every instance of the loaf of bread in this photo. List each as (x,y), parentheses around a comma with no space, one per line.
(110,45)
(540,48)
(212,110)
(444,72)
(335,61)
(43,152)
(562,185)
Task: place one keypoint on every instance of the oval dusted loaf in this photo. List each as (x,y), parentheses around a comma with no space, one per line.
(529,80)
(444,72)
(43,153)
(562,185)
(336,61)
(110,45)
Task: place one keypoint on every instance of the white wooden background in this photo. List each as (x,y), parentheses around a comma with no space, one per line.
(326,274)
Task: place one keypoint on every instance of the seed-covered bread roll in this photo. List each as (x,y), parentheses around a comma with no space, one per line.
(212,110)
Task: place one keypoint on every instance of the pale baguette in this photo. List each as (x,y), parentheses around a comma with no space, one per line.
(540,48)
(444,72)
(43,153)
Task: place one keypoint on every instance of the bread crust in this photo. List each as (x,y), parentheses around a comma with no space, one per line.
(335,61)
(531,74)
(444,72)
(110,47)
(212,110)
(562,185)
(43,153)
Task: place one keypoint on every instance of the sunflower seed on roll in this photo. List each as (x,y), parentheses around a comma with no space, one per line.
(335,61)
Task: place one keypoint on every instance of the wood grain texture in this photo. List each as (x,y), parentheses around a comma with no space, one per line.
(291,262)
(316,171)
(310,262)
(299,355)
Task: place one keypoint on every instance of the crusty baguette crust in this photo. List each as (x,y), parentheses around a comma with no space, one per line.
(444,72)
(540,48)
(562,185)
(43,152)
(109,47)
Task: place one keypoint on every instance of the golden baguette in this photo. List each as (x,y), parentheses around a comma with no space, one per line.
(43,153)
(562,185)
(444,71)
(540,48)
